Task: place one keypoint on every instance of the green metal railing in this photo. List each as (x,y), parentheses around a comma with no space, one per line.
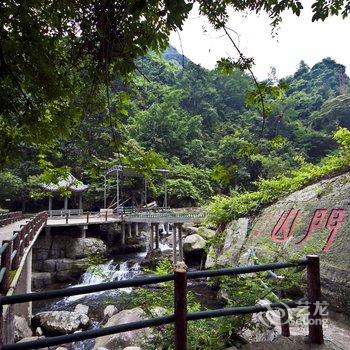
(180,317)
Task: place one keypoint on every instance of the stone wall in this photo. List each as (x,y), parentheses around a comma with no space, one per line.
(61,257)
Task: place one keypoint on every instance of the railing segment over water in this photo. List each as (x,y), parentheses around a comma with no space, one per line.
(180,317)
(129,214)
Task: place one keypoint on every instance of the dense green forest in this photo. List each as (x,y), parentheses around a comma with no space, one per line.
(198,124)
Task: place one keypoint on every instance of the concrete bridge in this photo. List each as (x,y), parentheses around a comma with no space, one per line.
(18,235)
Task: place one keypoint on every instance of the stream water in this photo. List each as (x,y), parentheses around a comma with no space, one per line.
(119,268)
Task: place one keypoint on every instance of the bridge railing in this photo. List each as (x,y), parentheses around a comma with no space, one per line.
(150,215)
(180,315)
(11,217)
(73,215)
(65,212)
(12,250)
(165,212)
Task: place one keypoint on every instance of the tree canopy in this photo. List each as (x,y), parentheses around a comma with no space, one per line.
(59,58)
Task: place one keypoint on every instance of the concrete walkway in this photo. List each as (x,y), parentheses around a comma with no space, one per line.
(6,232)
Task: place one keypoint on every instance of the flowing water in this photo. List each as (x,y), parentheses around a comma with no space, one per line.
(121,268)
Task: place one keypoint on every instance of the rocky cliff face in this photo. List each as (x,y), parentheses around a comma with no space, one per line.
(315,219)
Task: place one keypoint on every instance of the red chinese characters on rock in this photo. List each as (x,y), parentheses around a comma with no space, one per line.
(334,222)
(286,225)
(315,224)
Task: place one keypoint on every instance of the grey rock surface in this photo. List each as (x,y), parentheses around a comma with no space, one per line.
(194,243)
(22,329)
(109,311)
(125,339)
(82,309)
(61,322)
(313,220)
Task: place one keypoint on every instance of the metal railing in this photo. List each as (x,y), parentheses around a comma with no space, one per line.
(12,250)
(84,217)
(124,213)
(167,213)
(64,212)
(180,316)
(9,218)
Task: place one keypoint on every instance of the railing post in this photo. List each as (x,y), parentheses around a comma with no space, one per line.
(285,332)
(6,263)
(21,241)
(314,299)
(87,217)
(16,247)
(27,229)
(180,305)
(66,218)
(106,215)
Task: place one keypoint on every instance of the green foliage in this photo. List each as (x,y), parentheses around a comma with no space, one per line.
(183,190)
(11,186)
(67,51)
(212,334)
(224,209)
(342,136)
(196,124)
(94,263)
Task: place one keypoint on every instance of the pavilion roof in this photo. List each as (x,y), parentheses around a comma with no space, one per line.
(70,182)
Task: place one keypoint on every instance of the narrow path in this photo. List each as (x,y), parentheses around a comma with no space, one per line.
(6,232)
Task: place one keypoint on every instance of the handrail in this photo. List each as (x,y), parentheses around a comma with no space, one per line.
(63,212)
(180,316)
(12,250)
(53,294)
(137,282)
(11,217)
(153,322)
(90,334)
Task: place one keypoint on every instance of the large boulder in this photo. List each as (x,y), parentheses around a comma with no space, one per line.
(194,249)
(315,219)
(22,329)
(82,247)
(61,322)
(59,270)
(131,338)
(228,253)
(205,232)
(194,243)
(109,311)
(81,309)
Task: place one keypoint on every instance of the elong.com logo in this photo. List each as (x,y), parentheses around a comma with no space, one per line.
(298,316)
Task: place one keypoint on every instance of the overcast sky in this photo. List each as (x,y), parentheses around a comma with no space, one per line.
(298,39)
